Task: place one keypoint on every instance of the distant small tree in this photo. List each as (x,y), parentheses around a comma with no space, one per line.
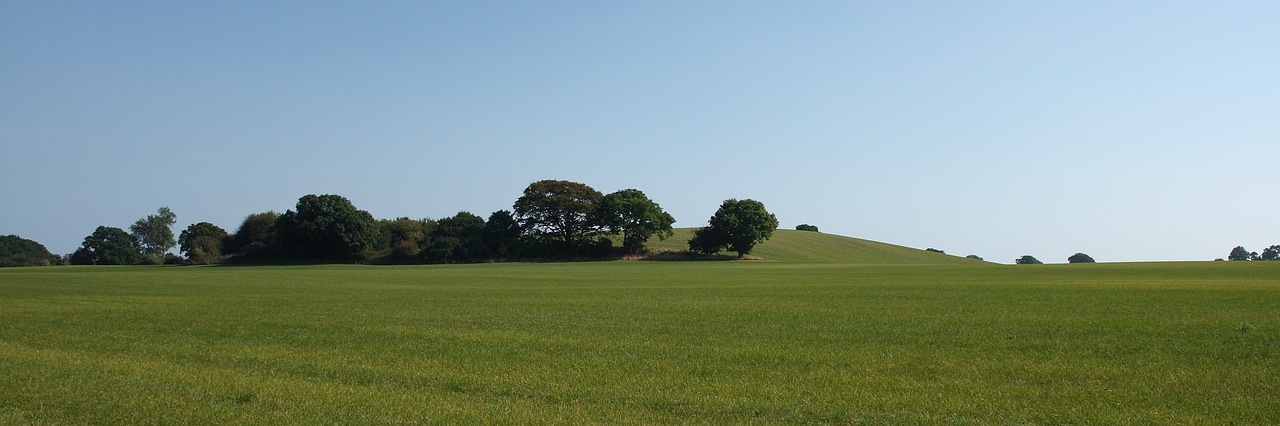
(738,226)
(108,246)
(1271,253)
(806,227)
(935,250)
(1238,253)
(973,256)
(154,234)
(1027,259)
(1080,258)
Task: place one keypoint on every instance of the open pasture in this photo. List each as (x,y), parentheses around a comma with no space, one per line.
(643,342)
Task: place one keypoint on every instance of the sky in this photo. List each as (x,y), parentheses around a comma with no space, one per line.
(1130,131)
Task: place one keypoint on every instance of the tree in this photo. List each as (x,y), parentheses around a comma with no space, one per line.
(256,236)
(457,239)
(1027,259)
(18,251)
(108,246)
(186,239)
(154,233)
(1271,253)
(502,234)
(737,225)
(1238,253)
(974,257)
(203,243)
(562,212)
(630,213)
(1080,258)
(327,227)
(806,227)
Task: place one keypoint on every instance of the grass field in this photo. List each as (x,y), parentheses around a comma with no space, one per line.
(643,342)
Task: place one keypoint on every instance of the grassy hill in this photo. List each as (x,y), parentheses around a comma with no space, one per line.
(813,247)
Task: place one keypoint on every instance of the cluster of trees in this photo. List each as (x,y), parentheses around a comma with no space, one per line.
(148,241)
(1241,253)
(1027,259)
(552,219)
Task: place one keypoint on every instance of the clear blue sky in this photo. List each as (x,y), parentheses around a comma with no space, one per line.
(1137,130)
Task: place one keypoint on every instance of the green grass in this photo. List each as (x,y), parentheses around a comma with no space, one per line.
(813,247)
(643,342)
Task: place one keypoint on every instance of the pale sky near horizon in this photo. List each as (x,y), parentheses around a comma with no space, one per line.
(1133,130)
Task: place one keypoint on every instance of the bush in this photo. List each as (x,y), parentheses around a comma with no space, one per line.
(806,227)
(1027,259)
(1080,258)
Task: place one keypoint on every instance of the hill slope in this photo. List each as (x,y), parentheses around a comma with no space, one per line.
(803,246)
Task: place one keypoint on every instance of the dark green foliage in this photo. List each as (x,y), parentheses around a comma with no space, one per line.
(18,251)
(1027,259)
(1080,258)
(806,227)
(154,233)
(502,234)
(204,250)
(935,250)
(560,212)
(459,238)
(327,228)
(187,239)
(630,213)
(1238,253)
(257,230)
(405,232)
(738,225)
(108,246)
(256,237)
(974,257)
(405,237)
(1271,253)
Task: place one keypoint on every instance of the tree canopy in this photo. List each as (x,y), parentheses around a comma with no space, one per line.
(1080,258)
(806,227)
(1027,259)
(738,225)
(1271,253)
(328,227)
(203,242)
(1239,253)
(108,246)
(562,212)
(154,233)
(18,251)
(637,218)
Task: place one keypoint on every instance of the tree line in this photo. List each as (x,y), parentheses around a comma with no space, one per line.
(1241,253)
(552,219)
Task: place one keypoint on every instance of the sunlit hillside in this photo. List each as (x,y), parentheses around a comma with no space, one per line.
(804,246)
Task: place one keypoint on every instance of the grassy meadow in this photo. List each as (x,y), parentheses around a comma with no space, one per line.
(643,342)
